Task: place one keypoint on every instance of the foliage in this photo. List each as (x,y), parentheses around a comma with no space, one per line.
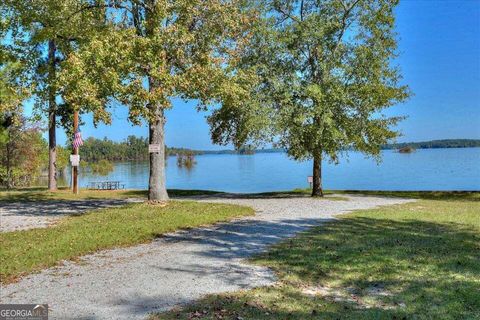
(12,88)
(102,167)
(339,78)
(32,28)
(22,152)
(12,93)
(411,261)
(63,158)
(180,47)
(186,159)
(434,144)
(406,149)
(136,148)
(103,229)
(133,148)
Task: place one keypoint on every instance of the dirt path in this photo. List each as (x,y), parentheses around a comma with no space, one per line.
(129,283)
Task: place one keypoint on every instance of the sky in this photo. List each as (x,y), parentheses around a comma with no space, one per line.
(439,46)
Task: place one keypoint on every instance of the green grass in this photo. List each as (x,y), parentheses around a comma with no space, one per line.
(419,260)
(42,194)
(427,195)
(23,252)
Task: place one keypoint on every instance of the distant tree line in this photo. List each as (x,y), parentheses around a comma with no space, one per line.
(436,144)
(131,149)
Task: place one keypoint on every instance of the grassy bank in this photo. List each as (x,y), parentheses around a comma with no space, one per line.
(425,195)
(42,194)
(26,251)
(415,261)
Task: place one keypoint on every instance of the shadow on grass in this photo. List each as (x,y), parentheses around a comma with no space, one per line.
(388,269)
(425,195)
(64,194)
(42,194)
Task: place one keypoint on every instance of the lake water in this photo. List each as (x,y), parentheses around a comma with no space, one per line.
(427,169)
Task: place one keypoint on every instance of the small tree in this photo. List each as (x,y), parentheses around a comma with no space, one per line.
(327,76)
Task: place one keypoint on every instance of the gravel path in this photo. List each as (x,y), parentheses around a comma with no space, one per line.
(40,214)
(131,282)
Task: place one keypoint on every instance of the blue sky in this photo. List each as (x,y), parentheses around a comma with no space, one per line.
(440,59)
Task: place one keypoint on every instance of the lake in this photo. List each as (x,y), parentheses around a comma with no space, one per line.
(424,169)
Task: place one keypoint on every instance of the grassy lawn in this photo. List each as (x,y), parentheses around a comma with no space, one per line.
(42,194)
(22,252)
(414,261)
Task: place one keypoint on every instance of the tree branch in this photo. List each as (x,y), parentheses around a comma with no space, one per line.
(286,14)
(301,10)
(111,5)
(346,13)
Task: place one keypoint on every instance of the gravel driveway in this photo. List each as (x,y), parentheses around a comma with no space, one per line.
(131,282)
(40,214)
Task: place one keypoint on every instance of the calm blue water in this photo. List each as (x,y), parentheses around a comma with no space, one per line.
(428,169)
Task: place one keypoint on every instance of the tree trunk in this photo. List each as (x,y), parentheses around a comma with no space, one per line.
(52,140)
(156,185)
(317,190)
(9,169)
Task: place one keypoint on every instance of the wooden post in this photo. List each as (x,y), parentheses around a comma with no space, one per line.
(75,152)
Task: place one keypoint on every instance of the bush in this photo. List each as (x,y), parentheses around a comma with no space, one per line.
(102,167)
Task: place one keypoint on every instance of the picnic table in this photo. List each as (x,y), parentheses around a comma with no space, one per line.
(106,185)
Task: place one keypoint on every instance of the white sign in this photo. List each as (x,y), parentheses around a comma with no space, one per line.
(75,160)
(153,148)
(310,179)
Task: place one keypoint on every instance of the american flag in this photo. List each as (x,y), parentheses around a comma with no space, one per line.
(77,140)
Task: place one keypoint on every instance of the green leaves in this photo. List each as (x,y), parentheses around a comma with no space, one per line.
(157,51)
(311,76)
(326,74)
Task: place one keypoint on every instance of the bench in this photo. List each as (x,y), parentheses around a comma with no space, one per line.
(106,185)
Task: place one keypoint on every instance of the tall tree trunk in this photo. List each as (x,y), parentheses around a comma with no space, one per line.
(156,185)
(52,140)
(317,190)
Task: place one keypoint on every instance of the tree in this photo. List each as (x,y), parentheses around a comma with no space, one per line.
(43,33)
(156,50)
(21,156)
(328,75)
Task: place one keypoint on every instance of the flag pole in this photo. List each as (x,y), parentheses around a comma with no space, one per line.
(75,152)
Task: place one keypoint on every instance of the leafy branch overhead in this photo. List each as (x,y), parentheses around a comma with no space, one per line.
(186,49)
